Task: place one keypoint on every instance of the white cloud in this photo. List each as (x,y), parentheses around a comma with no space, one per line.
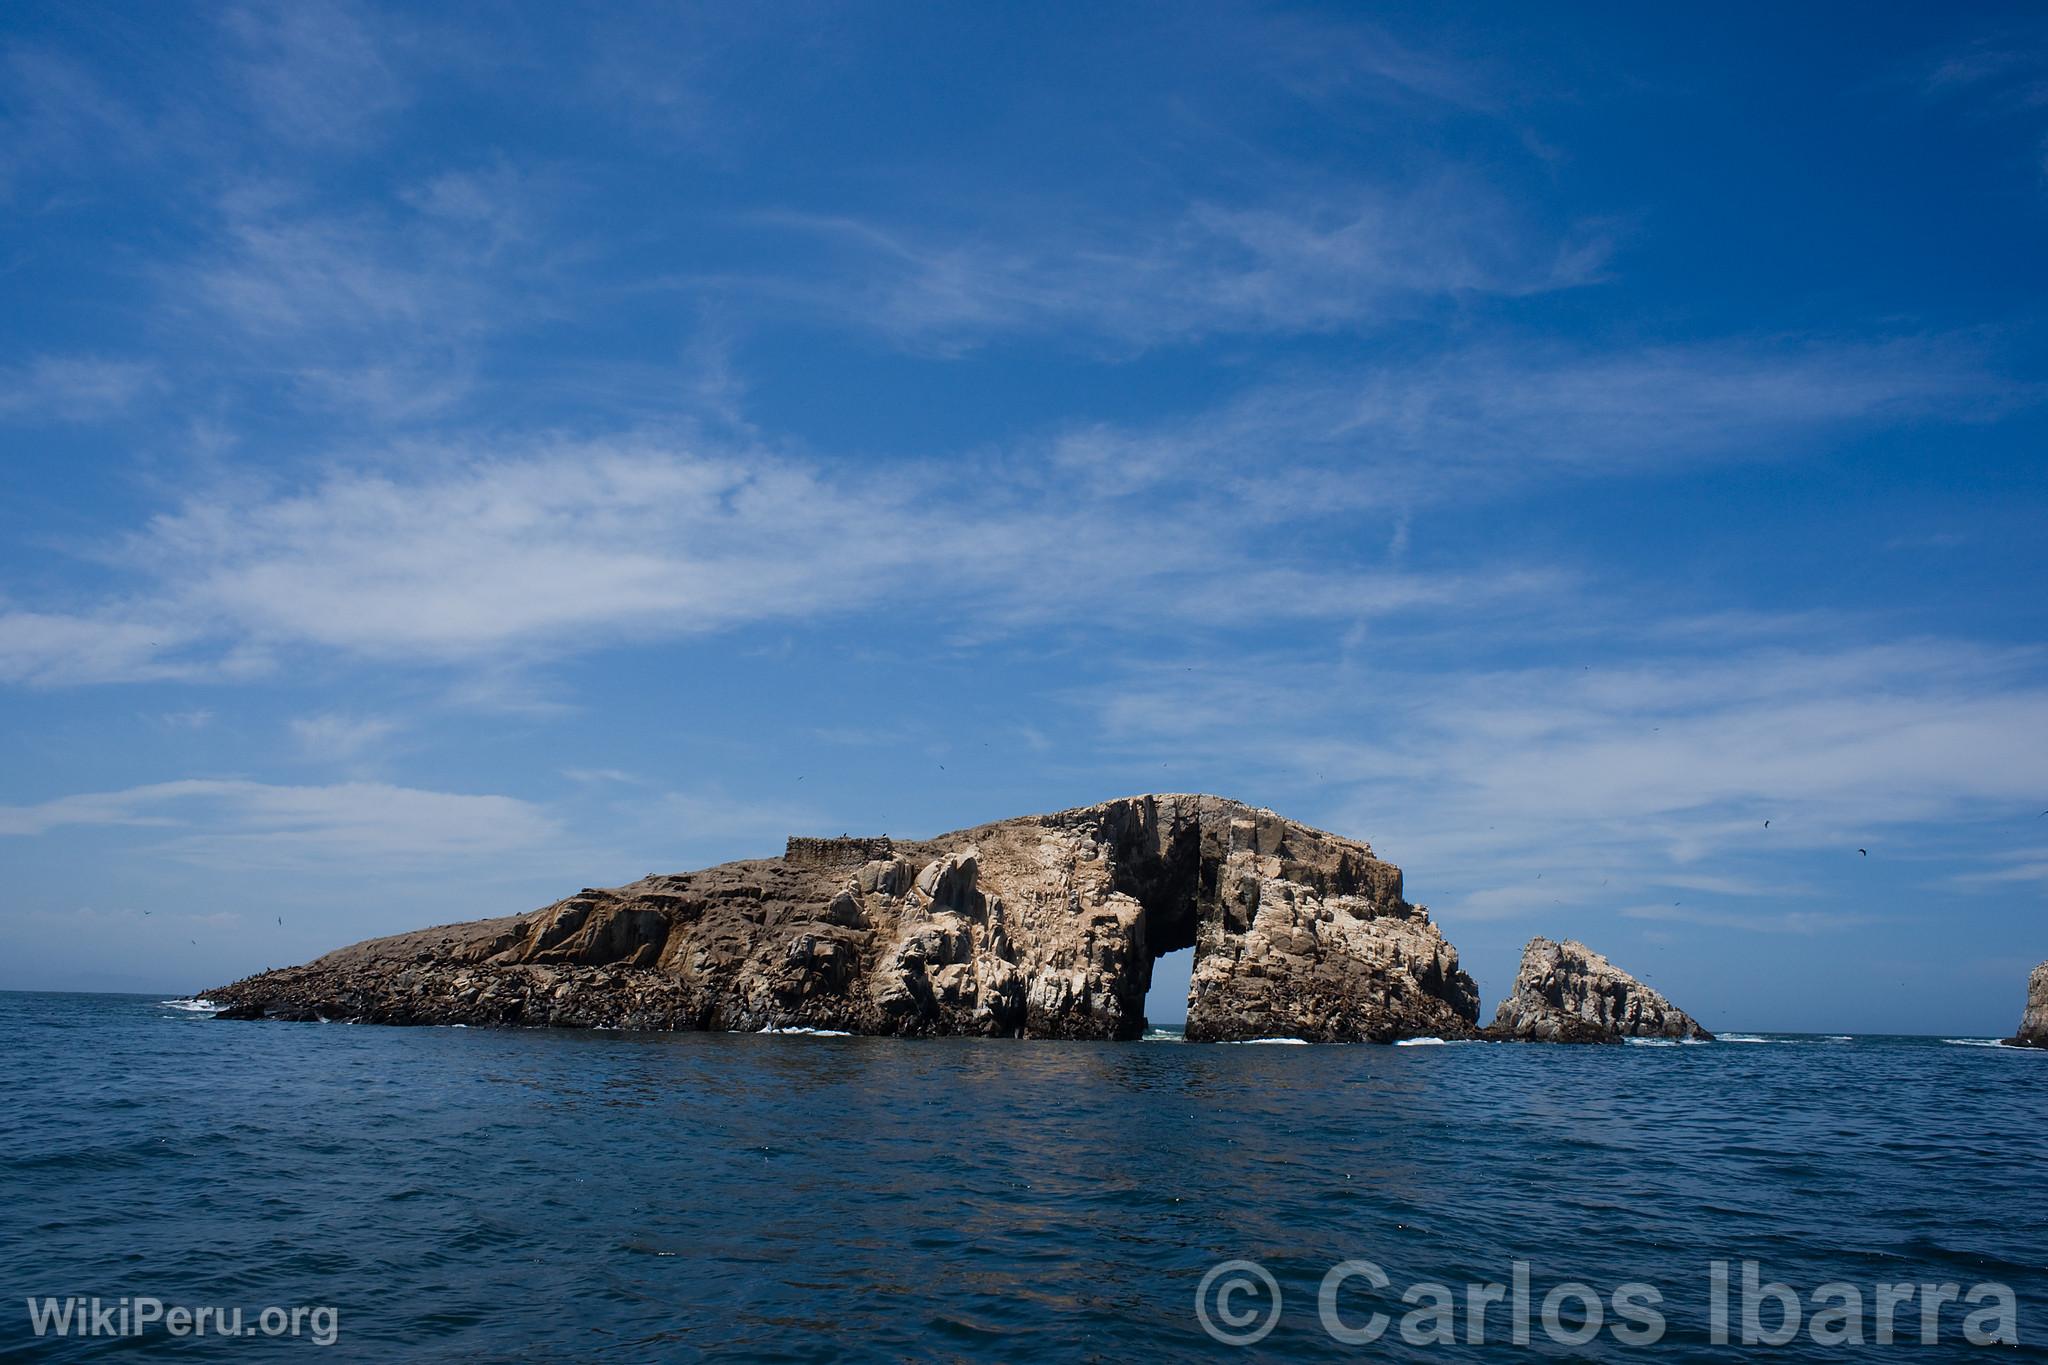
(2015,867)
(59,115)
(470,556)
(479,559)
(1316,263)
(316,74)
(242,823)
(1324,58)
(490,554)
(282,271)
(1515,791)
(384,309)
(1776,922)
(75,388)
(47,648)
(2001,76)
(336,737)
(1492,418)
(596,777)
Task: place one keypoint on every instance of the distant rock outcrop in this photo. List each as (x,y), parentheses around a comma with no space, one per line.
(1567,993)
(2034,1023)
(1044,926)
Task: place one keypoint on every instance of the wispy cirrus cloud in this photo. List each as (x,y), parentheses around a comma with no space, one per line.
(2001,75)
(237,823)
(338,737)
(323,75)
(1301,265)
(386,311)
(2013,867)
(484,553)
(75,388)
(2009,70)
(1326,59)
(60,113)
(1792,921)
(1580,786)
(1493,417)
(459,558)
(54,648)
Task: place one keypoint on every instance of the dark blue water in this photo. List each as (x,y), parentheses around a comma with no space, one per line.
(532,1195)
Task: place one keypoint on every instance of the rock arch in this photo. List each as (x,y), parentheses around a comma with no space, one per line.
(1043,926)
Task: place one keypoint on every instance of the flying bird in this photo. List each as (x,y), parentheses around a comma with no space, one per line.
(1767,824)
(1864,851)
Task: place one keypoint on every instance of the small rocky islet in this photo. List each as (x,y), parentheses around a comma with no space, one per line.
(2034,1019)
(1045,926)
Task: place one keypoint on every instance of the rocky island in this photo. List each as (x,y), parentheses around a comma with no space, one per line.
(2034,1021)
(1045,926)
(1567,993)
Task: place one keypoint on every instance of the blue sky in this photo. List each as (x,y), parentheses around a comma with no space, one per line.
(455,458)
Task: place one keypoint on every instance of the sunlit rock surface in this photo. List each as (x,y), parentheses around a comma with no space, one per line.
(1044,926)
(1567,993)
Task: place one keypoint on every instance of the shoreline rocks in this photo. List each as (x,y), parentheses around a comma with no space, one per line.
(1044,926)
(2033,1030)
(1567,993)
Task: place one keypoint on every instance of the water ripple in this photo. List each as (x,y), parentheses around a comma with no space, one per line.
(464,1194)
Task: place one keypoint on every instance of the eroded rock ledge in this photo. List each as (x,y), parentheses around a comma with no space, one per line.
(1045,926)
(1567,993)
(2034,1022)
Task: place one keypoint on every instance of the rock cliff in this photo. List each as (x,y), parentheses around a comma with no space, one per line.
(2034,1022)
(1045,926)
(1567,993)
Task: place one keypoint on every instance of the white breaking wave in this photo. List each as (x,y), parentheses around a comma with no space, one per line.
(803,1032)
(1666,1042)
(1421,1042)
(1987,1042)
(195,1005)
(1278,1042)
(1840,1038)
(1745,1038)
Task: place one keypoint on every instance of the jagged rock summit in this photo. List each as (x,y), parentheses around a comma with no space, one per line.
(1044,926)
(2034,1022)
(1567,993)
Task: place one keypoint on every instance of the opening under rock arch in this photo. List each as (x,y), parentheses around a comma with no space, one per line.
(1172,873)
(1166,1001)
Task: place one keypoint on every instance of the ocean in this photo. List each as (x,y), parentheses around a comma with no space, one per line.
(473,1194)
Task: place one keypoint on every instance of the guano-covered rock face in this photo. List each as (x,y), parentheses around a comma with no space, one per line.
(1045,926)
(1567,993)
(2034,1022)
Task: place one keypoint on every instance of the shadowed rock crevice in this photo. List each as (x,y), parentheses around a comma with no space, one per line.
(1045,926)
